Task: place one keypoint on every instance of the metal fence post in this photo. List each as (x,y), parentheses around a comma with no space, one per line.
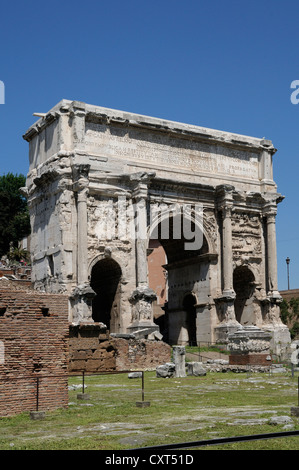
(37,392)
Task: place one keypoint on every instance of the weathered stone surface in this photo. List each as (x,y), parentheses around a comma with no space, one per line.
(95,177)
(166,370)
(196,368)
(275,420)
(179,357)
(135,375)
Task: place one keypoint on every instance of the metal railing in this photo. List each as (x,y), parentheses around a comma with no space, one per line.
(38,378)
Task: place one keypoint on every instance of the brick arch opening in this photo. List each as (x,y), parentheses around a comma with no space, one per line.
(105,281)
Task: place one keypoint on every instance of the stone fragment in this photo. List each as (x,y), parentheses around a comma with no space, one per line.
(196,368)
(135,375)
(275,420)
(166,370)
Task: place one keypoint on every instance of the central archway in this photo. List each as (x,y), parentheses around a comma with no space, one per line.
(186,268)
(189,303)
(243,281)
(105,281)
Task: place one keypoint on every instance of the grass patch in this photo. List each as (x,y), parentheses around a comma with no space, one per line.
(181,410)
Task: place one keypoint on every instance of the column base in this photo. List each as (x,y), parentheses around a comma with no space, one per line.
(81,299)
(142,312)
(35,415)
(225,329)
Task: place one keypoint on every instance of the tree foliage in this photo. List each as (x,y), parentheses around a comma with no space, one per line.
(14,215)
(289,311)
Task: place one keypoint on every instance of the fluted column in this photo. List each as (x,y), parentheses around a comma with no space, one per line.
(83,293)
(271,253)
(141,241)
(272,285)
(225,303)
(142,297)
(227,251)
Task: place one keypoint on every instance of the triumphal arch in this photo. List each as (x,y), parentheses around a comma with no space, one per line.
(104,187)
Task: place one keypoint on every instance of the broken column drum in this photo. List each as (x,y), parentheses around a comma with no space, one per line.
(103,184)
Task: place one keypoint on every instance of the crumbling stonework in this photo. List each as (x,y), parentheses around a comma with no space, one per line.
(140,354)
(250,345)
(92,349)
(34,340)
(99,185)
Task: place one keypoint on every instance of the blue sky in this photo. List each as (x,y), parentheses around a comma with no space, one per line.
(220,64)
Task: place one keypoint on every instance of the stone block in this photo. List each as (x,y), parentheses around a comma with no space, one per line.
(135,375)
(35,415)
(83,396)
(166,370)
(196,368)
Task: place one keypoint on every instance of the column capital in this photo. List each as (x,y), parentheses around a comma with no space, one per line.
(80,176)
(140,181)
(271,217)
(224,198)
(226,209)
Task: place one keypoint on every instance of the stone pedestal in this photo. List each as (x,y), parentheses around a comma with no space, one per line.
(83,396)
(142,404)
(249,345)
(229,324)
(81,300)
(35,415)
(142,311)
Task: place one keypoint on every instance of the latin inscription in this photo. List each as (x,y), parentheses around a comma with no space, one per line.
(165,151)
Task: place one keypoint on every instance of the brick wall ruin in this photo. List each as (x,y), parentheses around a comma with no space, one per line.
(92,349)
(37,341)
(34,340)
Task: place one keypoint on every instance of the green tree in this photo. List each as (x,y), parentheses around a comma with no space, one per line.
(14,215)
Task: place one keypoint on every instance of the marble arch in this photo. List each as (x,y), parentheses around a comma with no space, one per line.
(88,169)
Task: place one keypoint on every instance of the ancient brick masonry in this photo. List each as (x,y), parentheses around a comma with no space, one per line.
(92,350)
(34,332)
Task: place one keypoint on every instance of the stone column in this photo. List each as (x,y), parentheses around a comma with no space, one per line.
(225,303)
(142,297)
(227,252)
(272,322)
(141,240)
(272,255)
(82,294)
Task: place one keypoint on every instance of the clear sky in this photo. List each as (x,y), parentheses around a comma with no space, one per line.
(222,64)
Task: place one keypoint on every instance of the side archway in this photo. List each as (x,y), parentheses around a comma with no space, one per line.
(105,281)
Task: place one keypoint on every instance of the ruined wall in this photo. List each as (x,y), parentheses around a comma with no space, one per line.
(92,350)
(140,354)
(34,340)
